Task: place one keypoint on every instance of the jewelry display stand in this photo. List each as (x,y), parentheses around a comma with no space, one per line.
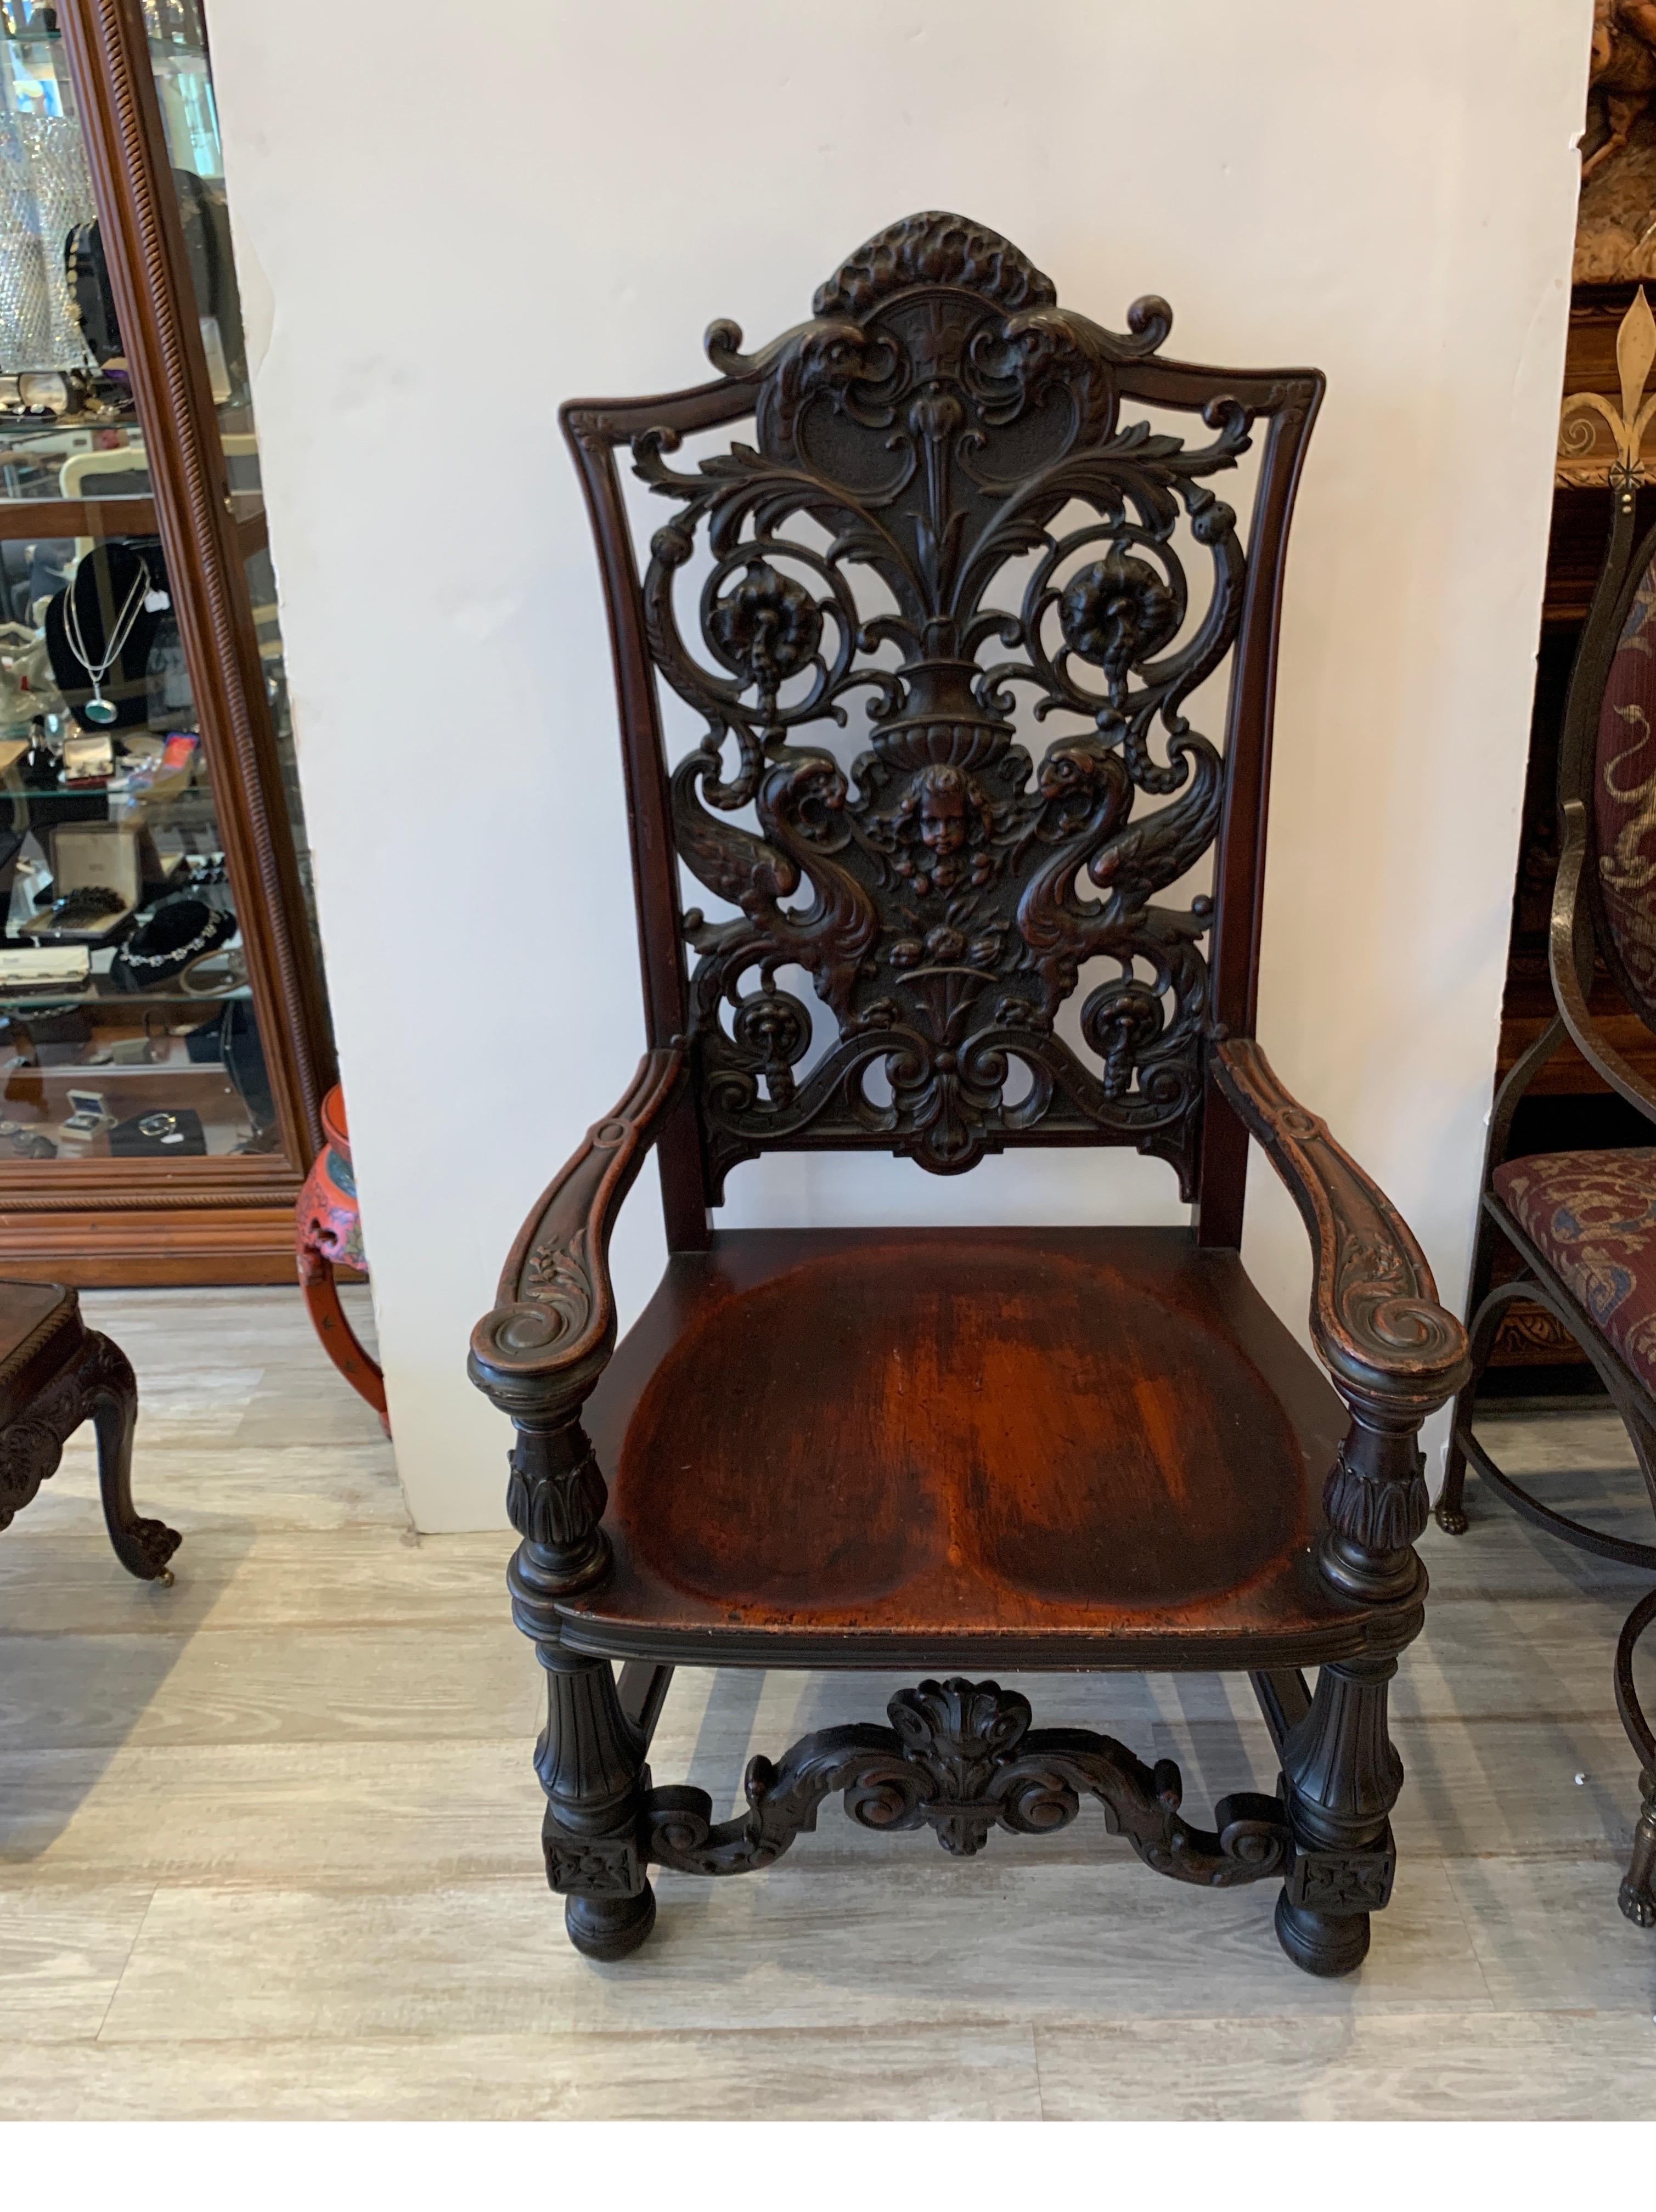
(164,1044)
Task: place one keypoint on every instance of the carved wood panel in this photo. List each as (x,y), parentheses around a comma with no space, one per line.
(944,445)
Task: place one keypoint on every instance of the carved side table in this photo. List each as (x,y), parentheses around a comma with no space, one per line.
(55,1373)
(331,1236)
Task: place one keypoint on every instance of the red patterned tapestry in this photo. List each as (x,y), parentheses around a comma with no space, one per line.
(1624,788)
(1592,1215)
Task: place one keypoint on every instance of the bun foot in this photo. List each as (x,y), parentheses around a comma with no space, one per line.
(1322,1942)
(609,1927)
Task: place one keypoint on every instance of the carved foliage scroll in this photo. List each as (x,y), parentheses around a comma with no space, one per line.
(942,444)
(1374,1313)
(961,1758)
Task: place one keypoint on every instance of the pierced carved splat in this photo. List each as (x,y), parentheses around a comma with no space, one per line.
(924,447)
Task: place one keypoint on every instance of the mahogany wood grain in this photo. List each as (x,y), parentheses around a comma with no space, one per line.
(31,519)
(100,1246)
(1100,1445)
(1240,879)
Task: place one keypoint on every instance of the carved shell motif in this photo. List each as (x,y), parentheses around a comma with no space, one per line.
(962,1758)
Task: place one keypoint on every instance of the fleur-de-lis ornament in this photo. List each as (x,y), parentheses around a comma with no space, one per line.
(1635,350)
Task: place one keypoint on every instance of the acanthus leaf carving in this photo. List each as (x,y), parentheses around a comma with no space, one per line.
(30,1450)
(32,1447)
(557,1277)
(555,1499)
(1378,1508)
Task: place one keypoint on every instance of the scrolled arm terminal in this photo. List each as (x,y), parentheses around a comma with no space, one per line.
(1393,1352)
(538,1354)
(553,1328)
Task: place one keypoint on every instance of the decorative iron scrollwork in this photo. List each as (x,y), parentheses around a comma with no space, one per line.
(961,1758)
(941,431)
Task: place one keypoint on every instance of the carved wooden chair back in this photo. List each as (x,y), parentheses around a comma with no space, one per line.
(948,528)
(1604,907)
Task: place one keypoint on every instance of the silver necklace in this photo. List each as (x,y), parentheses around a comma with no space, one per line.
(97,707)
(198,943)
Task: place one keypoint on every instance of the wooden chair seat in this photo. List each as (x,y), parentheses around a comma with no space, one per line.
(971,1444)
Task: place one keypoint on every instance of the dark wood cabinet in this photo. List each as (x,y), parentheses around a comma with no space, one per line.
(132,496)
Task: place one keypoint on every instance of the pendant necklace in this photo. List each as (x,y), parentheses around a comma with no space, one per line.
(97,707)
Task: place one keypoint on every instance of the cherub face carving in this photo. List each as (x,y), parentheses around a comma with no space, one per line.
(943,810)
(943,826)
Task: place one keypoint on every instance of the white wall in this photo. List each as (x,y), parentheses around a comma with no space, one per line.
(450,220)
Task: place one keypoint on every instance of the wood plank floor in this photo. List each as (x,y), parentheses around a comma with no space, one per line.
(269,1839)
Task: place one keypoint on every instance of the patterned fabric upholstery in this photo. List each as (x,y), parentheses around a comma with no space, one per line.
(1624,796)
(1593,1216)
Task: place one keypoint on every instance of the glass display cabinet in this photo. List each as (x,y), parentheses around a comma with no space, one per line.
(163,1030)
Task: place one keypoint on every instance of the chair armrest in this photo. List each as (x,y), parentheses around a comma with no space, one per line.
(1375,1318)
(1393,1352)
(553,1328)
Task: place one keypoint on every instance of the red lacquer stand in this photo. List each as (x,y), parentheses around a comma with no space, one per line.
(330,1235)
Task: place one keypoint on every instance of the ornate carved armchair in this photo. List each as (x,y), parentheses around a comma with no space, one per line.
(959,1449)
(1582,1224)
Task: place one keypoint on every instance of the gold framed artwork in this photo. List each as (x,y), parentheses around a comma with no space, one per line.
(1615,229)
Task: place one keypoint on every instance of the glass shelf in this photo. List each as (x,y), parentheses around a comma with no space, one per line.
(184,42)
(126,797)
(180,1068)
(59,998)
(71,435)
(178,1075)
(80,526)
